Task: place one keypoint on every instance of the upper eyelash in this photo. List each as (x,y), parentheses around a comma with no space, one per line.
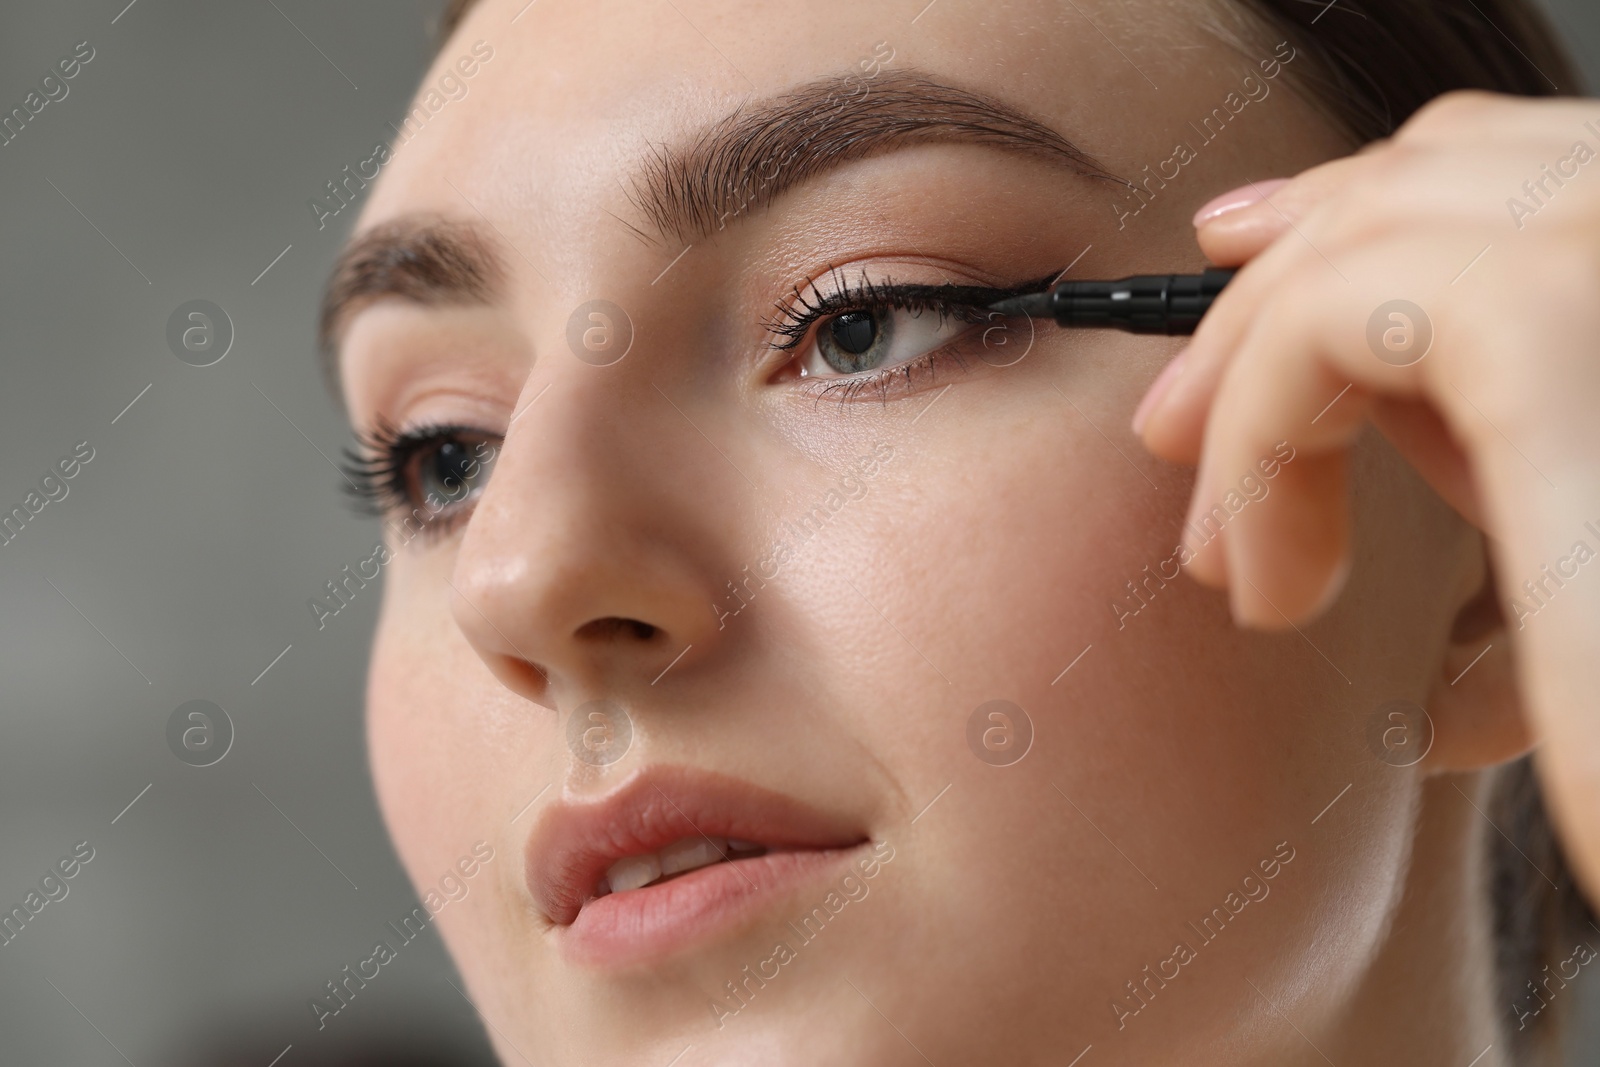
(796,317)
(970,303)
(375,473)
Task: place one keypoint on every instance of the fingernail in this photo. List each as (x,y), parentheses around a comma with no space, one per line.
(1244,196)
(1157,390)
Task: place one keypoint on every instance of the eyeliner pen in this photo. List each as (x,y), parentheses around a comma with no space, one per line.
(1151,303)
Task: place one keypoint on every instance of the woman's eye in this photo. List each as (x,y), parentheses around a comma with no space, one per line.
(437,467)
(852,342)
(449,471)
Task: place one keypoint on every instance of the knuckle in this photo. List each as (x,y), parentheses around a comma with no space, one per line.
(1282,313)
(1522,353)
(1393,189)
(1397,160)
(1453,112)
(1352,225)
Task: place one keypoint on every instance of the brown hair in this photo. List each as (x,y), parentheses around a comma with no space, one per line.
(1374,64)
(1369,66)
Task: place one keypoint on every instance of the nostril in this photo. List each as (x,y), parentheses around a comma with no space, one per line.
(613,627)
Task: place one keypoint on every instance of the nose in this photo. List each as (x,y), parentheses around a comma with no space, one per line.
(592,554)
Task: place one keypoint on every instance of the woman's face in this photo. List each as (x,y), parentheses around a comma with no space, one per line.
(738,571)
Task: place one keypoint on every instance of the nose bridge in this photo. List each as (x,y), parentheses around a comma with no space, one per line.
(591,559)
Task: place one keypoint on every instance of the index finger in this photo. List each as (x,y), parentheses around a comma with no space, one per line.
(1175,426)
(1236,236)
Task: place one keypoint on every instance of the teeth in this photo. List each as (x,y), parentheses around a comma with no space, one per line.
(690,853)
(633,872)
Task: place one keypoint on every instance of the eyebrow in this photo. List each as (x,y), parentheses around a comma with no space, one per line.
(423,259)
(748,159)
(737,165)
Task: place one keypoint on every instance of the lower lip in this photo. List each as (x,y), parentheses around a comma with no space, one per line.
(641,926)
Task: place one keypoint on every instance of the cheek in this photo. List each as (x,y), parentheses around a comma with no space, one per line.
(440,733)
(403,744)
(1175,753)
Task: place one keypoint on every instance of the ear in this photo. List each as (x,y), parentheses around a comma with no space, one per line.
(1474,703)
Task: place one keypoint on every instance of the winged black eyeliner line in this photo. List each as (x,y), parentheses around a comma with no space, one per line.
(969,302)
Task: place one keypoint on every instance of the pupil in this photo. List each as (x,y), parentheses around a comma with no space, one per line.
(451,464)
(855,341)
(854,331)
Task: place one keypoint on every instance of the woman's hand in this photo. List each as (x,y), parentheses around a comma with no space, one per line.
(1445,285)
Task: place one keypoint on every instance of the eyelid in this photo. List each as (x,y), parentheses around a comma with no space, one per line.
(448,364)
(792,324)
(796,328)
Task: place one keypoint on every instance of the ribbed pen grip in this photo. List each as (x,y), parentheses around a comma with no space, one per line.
(1154,303)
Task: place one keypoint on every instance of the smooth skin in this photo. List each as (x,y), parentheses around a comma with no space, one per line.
(1499,417)
(1178,754)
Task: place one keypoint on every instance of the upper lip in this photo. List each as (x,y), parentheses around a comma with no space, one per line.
(577,840)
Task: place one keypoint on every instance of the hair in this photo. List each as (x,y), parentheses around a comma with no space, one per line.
(1369,66)
(1374,64)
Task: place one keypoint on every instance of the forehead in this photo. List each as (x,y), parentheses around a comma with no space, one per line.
(550,132)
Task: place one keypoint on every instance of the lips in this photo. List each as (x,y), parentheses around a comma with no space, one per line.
(671,856)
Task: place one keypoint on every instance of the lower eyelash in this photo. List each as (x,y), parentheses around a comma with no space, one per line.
(883,381)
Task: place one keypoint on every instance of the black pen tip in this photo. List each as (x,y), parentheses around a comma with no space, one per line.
(1033,305)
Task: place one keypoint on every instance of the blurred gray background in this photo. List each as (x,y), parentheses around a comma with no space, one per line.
(178,566)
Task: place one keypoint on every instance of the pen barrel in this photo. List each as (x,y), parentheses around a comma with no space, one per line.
(1155,303)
